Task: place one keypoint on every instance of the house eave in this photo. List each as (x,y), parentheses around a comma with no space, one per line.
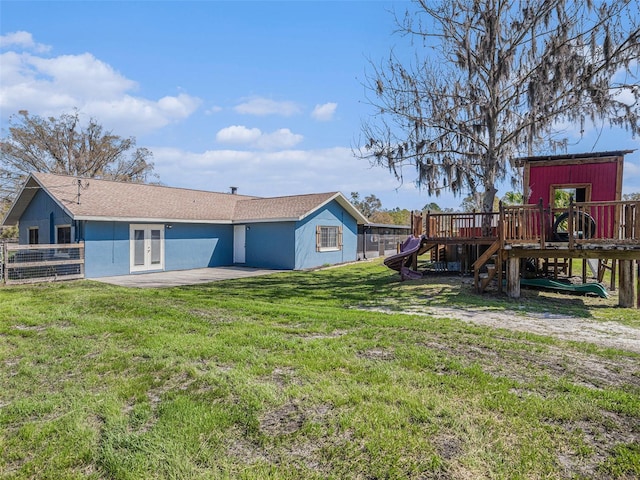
(91,218)
(267,220)
(344,203)
(23,199)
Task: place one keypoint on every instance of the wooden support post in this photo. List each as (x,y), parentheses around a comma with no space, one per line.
(513,277)
(570,267)
(543,233)
(626,297)
(499,267)
(427,225)
(612,285)
(570,224)
(584,269)
(638,283)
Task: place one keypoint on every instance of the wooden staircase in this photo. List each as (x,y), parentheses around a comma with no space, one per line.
(480,281)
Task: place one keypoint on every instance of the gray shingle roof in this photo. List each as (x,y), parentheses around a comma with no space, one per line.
(293,208)
(109,200)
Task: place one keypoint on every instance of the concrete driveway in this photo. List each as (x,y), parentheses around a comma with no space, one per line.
(184,277)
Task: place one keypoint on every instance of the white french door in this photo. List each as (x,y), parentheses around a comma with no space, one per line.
(147,247)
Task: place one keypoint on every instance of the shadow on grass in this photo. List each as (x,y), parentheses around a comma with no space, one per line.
(347,285)
(372,284)
(367,284)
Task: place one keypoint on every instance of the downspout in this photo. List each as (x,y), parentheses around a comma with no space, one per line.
(343,232)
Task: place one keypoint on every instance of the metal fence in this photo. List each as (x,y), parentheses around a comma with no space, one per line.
(380,241)
(41,263)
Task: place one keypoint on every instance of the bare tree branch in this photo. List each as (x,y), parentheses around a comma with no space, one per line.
(504,74)
(61,145)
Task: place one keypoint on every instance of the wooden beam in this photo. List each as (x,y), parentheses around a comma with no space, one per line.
(620,161)
(627,297)
(513,277)
(638,284)
(574,161)
(564,253)
(613,275)
(525,183)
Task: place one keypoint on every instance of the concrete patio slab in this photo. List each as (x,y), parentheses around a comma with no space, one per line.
(184,277)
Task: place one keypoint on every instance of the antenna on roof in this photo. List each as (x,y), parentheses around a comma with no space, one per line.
(81,186)
(234,190)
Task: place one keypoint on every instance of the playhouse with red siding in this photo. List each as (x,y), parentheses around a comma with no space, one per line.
(587,177)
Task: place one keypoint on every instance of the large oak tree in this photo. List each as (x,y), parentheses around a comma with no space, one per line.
(63,145)
(492,80)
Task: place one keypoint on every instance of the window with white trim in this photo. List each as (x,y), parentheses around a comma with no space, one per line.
(328,238)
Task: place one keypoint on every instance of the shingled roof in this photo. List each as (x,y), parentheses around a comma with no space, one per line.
(92,199)
(281,208)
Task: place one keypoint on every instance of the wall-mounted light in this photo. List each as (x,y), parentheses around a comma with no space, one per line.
(168,226)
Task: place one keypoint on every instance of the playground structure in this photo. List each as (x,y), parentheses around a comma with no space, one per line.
(539,238)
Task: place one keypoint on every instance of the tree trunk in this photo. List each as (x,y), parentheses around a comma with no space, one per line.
(488,198)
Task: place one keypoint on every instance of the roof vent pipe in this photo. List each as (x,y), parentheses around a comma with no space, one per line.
(234,190)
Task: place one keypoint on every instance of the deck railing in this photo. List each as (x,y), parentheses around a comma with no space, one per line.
(580,223)
(464,226)
(524,224)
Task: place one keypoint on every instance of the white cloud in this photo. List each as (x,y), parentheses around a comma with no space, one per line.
(137,115)
(52,86)
(213,109)
(324,112)
(264,106)
(631,179)
(624,95)
(286,172)
(631,169)
(180,106)
(254,137)
(282,138)
(238,135)
(24,40)
(84,75)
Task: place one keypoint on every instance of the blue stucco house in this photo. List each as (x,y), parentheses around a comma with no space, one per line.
(135,228)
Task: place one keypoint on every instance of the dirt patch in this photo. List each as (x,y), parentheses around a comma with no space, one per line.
(290,417)
(304,453)
(594,439)
(283,421)
(284,377)
(323,336)
(586,370)
(593,371)
(599,439)
(448,446)
(603,334)
(377,354)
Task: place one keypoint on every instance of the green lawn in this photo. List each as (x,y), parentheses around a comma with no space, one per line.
(285,376)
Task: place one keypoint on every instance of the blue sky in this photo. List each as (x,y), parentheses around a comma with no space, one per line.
(266,96)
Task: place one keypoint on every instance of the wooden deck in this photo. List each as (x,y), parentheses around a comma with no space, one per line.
(608,231)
